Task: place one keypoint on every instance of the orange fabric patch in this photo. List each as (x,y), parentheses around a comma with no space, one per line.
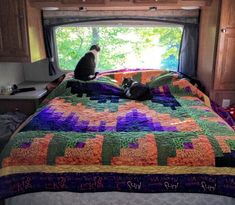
(202,154)
(90,154)
(35,154)
(144,155)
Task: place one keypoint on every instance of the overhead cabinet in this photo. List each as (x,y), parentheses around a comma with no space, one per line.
(122,3)
(155,1)
(83,1)
(21,36)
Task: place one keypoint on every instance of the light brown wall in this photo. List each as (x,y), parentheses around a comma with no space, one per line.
(209,20)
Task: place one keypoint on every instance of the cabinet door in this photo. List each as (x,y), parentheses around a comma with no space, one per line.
(43,1)
(118,1)
(155,1)
(13,29)
(225,65)
(195,2)
(83,1)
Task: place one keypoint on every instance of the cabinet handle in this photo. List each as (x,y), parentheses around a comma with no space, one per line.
(223,30)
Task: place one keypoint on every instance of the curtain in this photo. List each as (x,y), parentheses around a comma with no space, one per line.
(188,50)
(50,48)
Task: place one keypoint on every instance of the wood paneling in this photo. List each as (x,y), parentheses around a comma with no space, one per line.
(18,30)
(228,14)
(125,4)
(216,64)
(156,1)
(209,22)
(225,68)
(120,1)
(45,0)
(36,39)
(1,40)
(225,64)
(218,96)
(13,27)
(83,1)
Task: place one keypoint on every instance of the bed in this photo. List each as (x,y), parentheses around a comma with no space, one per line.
(87,141)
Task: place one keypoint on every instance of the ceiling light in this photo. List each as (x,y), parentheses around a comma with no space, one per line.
(190,7)
(50,8)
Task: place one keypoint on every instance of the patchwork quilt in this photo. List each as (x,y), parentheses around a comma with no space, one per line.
(87,137)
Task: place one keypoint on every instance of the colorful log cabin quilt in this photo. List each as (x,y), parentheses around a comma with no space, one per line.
(87,137)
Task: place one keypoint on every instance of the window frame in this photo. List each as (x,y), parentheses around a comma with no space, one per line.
(113,22)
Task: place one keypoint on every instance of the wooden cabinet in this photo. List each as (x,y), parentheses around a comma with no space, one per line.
(122,3)
(83,1)
(119,1)
(21,38)
(216,61)
(44,1)
(225,68)
(225,65)
(156,1)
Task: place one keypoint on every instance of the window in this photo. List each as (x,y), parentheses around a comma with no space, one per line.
(123,45)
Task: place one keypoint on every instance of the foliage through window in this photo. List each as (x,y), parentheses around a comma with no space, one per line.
(121,46)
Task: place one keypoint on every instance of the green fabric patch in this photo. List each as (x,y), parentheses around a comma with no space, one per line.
(231,144)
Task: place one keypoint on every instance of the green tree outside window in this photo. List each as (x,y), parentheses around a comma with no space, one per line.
(121,47)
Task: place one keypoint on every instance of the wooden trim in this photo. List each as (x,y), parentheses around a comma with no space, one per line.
(1,42)
(127,5)
(175,13)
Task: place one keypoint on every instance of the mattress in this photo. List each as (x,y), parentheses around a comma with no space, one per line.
(117,198)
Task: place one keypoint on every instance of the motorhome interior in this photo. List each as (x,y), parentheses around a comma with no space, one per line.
(70,141)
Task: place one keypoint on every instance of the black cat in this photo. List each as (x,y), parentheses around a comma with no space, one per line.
(135,90)
(85,69)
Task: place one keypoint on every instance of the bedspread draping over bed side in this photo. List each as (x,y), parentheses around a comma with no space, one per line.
(89,137)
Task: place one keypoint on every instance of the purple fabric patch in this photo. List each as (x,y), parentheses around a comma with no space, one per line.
(146,183)
(137,121)
(188,145)
(188,89)
(80,145)
(170,129)
(25,145)
(223,113)
(133,145)
(165,98)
